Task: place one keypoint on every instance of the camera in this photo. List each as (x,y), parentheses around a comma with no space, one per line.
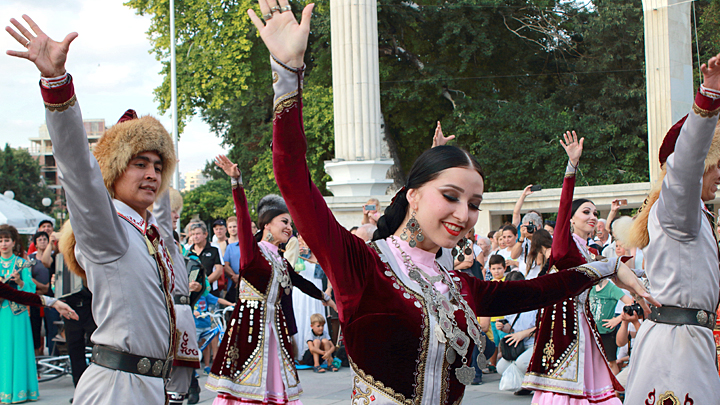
(530,227)
(634,309)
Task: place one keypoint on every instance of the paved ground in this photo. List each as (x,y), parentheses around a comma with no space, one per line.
(320,389)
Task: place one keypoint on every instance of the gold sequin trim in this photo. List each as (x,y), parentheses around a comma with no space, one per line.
(705,113)
(63,106)
(369,380)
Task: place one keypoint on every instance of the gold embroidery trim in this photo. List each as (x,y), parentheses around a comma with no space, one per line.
(588,271)
(292,98)
(705,113)
(378,385)
(62,106)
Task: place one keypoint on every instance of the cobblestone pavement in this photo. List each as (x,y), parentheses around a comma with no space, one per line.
(319,389)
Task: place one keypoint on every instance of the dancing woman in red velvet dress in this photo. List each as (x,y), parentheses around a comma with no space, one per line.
(255,362)
(569,365)
(409,320)
(24,298)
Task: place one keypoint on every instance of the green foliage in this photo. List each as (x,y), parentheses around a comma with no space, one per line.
(507,77)
(20,173)
(210,201)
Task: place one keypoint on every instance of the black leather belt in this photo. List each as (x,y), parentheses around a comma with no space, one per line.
(130,363)
(683,316)
(181,300)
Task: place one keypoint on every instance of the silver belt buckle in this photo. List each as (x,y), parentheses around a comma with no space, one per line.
(143,365)
(702,317)
(184,300)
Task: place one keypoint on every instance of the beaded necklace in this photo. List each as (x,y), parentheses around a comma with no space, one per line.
(446,330)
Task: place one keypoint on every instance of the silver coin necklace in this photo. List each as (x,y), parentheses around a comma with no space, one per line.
(446,330)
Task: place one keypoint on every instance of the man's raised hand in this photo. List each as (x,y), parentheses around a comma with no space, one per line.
(49,56)
(711,73)
(284,37)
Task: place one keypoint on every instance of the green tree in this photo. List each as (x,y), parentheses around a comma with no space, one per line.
(20,173)
(210,201)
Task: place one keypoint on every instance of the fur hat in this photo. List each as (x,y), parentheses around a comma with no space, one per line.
(120,143)
(268,208)
(637,234)
(176,201)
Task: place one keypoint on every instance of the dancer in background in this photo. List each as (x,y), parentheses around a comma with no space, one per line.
(255,362)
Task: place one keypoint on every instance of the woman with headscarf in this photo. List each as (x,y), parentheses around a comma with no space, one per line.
(255,362)
(409,320)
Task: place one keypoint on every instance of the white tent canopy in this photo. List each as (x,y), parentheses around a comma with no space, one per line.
(19,215)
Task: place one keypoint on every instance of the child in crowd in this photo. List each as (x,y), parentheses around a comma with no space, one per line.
(603,300)
(207,303)
(496,270)
(319,345)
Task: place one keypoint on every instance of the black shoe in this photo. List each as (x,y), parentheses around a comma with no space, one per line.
(193,396)
(522,392)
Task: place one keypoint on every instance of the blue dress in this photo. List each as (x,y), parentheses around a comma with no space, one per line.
(18,374)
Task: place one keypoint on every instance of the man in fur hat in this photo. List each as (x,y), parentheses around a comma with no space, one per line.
(674,358)
(118,243)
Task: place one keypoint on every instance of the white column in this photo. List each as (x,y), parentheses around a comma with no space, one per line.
(359,167)
(669,70)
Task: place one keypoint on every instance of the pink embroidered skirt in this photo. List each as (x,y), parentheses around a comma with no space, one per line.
(598,385)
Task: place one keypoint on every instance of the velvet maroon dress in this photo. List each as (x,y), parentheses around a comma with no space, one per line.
(386,321)
(568,364)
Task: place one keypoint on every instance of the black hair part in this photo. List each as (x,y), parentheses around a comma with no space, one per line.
(426,168)
(576,205)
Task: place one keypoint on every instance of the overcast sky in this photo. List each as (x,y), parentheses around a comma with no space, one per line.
(110,64)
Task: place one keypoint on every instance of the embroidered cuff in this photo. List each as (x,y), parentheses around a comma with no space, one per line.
(287,84)
(235,182)
(58,93)
(600,269)
(570,170)
(707,103)
(47,301)
(326,297)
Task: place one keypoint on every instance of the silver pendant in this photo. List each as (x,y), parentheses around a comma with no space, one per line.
(481,361)
(465,374)
(439,334)
(450,355)
(287,291)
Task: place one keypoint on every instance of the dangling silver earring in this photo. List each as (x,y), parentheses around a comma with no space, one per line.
(411,227)
(269,237)
(572,228)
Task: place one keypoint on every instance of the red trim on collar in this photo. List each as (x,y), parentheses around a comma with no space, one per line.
(140,226)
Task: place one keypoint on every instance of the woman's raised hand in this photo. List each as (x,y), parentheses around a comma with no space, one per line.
(572,146)
(230,168)
(49,56)
(284,37)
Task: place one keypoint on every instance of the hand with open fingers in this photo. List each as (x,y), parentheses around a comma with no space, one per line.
(711,73)
(65,310)
(284,37)
(230,168)
(439,139)
(626,278)
(572,146)
(49,56)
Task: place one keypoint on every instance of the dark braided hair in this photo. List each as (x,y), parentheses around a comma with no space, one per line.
(426,168)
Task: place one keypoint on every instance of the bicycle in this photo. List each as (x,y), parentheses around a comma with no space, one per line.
(52,367)
(217,327)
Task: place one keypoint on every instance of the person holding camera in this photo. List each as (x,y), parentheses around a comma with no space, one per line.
(631,318)
(371,212)
(531,222)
